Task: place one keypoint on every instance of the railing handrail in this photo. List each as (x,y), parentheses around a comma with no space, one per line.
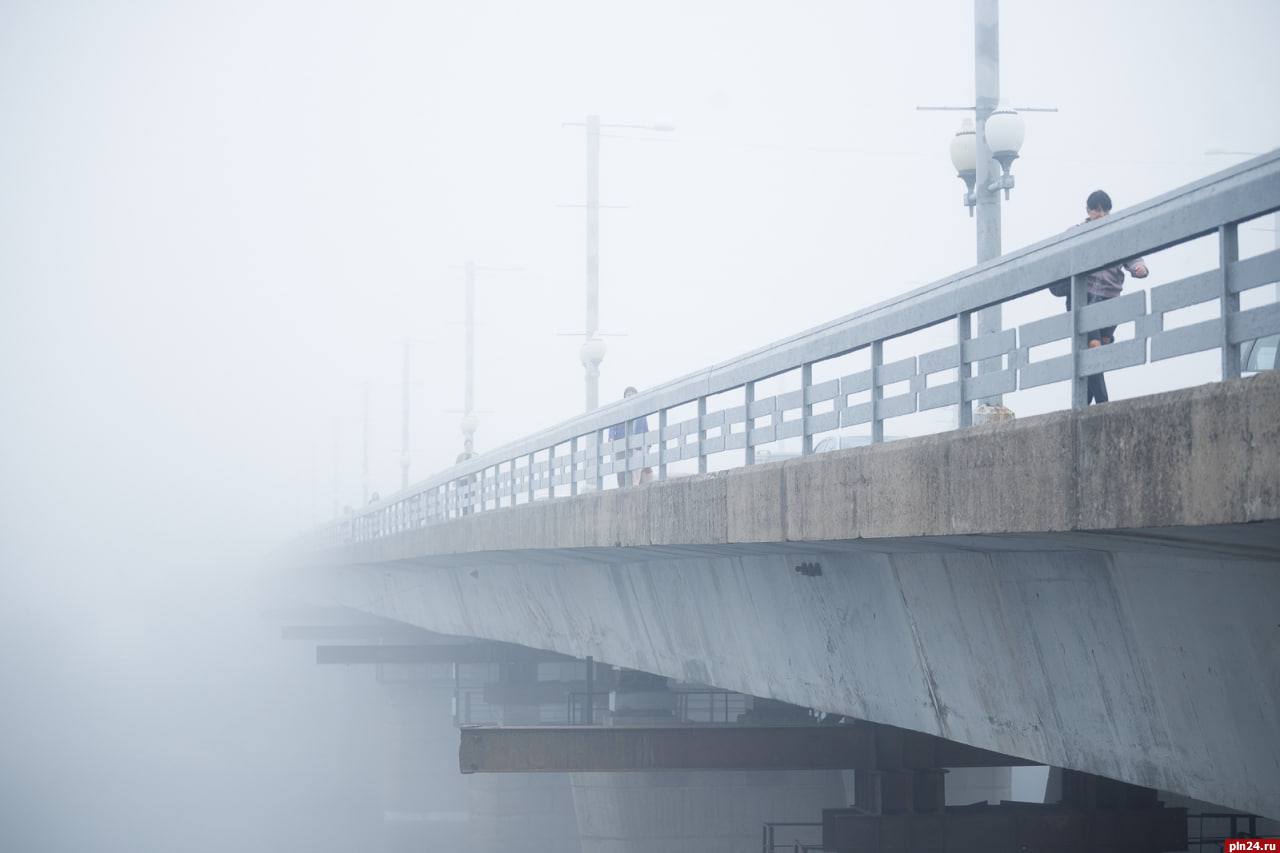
(1239,193)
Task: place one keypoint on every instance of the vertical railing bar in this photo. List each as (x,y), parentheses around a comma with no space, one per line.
(749,395)
(877,392)
(702,435)
(964,331)
(626,452)
(528,480)
(551,472)
(599,454)
(1079,342)
(806,409)
(662,444)
(1228,254)
(573,466)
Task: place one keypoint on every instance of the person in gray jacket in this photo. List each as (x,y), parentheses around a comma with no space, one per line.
(1103,284)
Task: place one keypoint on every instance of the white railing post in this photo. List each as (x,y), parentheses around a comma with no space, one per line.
(806,408)
(551,471)
(573,466)
(702,435)
(877,392)
(964,331)
(627,427)
(1228,254)
(1079,342)
(529,478)
(599,454)
(662,444)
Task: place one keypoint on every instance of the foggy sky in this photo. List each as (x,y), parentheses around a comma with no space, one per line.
(219,219)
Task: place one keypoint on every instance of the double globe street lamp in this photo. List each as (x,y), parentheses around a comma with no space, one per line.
(1005,131)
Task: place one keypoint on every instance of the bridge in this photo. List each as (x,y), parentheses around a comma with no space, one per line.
(1093,588)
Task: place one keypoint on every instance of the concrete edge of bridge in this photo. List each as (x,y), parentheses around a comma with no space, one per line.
(1208,455)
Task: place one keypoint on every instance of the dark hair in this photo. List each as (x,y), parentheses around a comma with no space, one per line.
(631,389)
(1098,200)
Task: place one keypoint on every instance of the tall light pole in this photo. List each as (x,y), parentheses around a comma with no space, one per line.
(406,401)
(470,419)
(364,448)
(337,474)
(983,152)
(986,68)
(593,247)
(592,351)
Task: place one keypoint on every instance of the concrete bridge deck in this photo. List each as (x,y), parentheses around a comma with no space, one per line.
(1200,457)
(1094,589)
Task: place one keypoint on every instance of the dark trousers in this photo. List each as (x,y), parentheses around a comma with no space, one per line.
(1098,388)
(1097,382)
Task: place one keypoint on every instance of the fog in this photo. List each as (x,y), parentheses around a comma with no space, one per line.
(219,221)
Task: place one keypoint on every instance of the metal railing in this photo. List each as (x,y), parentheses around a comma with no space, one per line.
(710,706)
(1221,826)
(769,842)
(578,455)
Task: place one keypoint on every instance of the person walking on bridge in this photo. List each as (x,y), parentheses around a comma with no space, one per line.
(463,486)
(1103,284)
(617,432)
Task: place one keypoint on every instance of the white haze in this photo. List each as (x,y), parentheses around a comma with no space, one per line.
(217,220)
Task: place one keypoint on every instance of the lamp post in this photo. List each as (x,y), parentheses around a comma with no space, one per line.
(364,446)
(983,151)
(591,354)
(406,404)
(406,410)
(470,418)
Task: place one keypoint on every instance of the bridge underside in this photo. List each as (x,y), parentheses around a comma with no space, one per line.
(1135,655)
(1115,611)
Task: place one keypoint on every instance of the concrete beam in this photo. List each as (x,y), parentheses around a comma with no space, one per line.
(374,633)
(559,749)
(445,653)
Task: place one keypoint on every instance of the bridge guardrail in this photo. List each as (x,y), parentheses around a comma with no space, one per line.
(578,454)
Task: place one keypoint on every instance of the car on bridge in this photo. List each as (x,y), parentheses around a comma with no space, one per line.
(1259,354)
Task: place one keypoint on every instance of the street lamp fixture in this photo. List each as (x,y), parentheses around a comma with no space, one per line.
(964,156)
(470,422)
(592,353)
(1005,132)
